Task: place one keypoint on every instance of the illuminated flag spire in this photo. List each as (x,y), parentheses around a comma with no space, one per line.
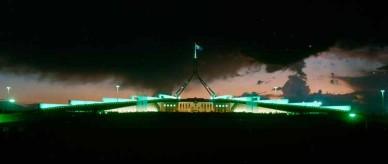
(196,47)
(195,73)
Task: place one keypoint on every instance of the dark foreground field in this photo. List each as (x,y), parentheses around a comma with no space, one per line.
(192,138)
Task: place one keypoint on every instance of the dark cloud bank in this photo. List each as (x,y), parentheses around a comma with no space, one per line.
(150,45)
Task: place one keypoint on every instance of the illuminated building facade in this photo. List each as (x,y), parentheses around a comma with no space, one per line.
(173,103)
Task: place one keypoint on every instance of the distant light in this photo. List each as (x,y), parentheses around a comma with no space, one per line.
(352,115)
(117,86)
(12,100)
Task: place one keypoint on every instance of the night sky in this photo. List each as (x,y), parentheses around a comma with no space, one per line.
(52,51)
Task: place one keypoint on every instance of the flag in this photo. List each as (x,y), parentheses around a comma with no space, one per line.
(198,47)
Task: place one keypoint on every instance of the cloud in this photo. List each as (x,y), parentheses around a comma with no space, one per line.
(150,46)
(157,69)
(373,54)
(370,82)
(296,88)
(384,68)
(298,68)
(365,52)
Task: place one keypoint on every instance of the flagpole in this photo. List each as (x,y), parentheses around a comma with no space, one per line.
(195,59)
(195,51)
